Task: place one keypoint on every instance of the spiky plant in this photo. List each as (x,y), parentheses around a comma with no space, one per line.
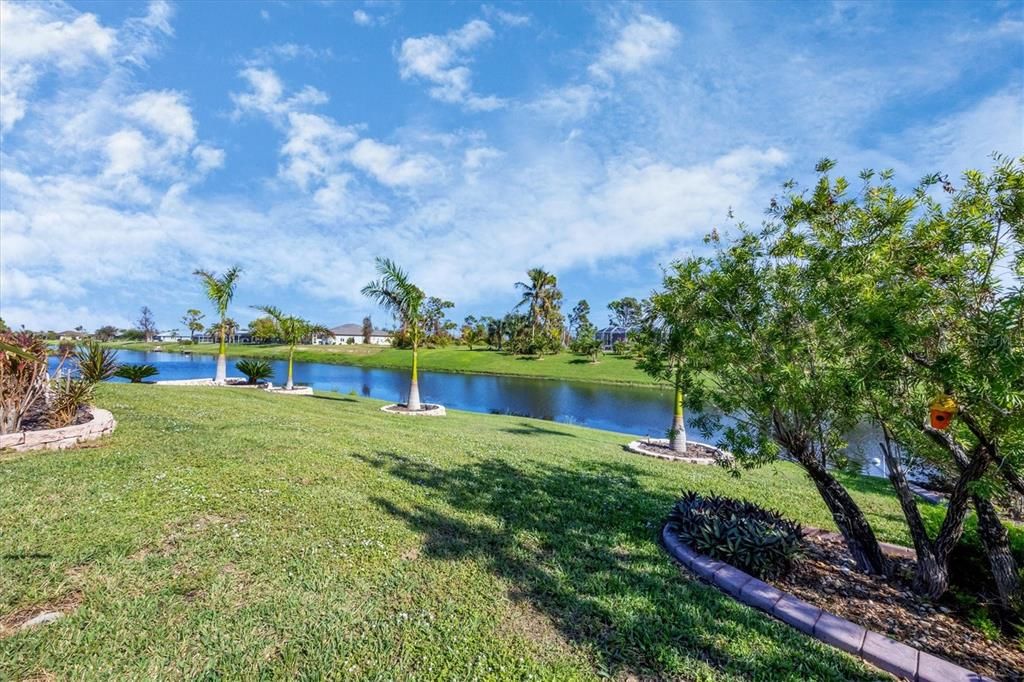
(136,373)
(95,363)
(220,290)
(255,371)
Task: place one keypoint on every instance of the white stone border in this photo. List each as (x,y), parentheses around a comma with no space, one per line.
(637,446)
(430,411)
(298,390)
(101,424)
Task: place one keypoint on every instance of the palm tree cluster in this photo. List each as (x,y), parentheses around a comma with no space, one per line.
(543,301)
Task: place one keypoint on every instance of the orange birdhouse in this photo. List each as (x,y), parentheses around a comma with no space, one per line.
(942,410)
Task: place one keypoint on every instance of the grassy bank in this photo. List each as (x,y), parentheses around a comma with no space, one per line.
(611,368)
(235,534)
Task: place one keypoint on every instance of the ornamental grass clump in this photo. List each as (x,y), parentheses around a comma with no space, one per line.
(756,540)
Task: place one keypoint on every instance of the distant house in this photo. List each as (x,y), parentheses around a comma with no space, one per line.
(71,335)
(612,335)
(341,334)
(240,336)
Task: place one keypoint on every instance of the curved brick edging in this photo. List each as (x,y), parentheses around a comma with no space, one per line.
(430,411)
(101,424)
(894,657)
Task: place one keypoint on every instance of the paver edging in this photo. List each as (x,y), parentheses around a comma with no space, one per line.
(880,651)
(426,411)
(100,424)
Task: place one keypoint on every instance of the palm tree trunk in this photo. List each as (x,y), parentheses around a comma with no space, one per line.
(291,354)
(222,360)
(414,387)
(677,436)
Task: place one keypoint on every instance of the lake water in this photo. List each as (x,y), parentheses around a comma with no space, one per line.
(639,411)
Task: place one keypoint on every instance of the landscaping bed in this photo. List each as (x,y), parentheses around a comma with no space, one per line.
(826,577)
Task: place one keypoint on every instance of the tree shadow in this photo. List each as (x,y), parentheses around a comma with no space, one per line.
(579,544)
(528,429)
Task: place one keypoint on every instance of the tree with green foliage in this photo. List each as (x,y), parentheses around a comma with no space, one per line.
(667,347)
(193,321)
(220,290)
(292,330)
(146,324)
(543,299)
(396,293)
(473,332)
(367,330)
(586,341)
(626,312)
(437,328)
(927,296)
(263,329)
(106,333)
(579,317)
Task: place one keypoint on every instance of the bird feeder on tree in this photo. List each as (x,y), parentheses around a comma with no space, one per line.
(943,407)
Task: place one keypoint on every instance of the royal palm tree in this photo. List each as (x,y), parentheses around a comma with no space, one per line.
(220,290)
(292,330)
(542,297)
(403,299)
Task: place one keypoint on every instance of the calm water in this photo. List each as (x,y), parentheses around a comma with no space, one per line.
(640,411)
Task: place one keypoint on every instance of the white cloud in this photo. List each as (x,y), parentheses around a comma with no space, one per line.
(313,147)
(362,18)
(441,60)
(37,37)
(208,158)
(507,18)
(166,112)
(477,157)
(640,42)
(391,167)
(266,94)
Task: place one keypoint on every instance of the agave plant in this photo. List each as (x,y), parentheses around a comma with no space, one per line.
(95,363)
(68,396)
(136,373)
(255,371)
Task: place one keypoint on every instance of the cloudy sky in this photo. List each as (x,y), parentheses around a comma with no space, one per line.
(466,141)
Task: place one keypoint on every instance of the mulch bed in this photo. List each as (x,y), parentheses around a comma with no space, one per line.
(826,577)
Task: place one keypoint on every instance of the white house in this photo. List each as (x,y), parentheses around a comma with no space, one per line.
(353,333)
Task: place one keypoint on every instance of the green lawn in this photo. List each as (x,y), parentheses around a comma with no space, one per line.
(235,534)
(610,369)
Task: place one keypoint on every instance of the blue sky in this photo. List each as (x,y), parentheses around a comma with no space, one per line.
(467,141)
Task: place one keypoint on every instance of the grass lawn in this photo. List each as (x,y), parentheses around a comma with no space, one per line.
(235,534)
(611,368)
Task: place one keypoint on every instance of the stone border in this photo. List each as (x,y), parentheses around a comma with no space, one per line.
(637,446)
(893,657)
(298,390)
(101,424)
(230,382)
(428,411)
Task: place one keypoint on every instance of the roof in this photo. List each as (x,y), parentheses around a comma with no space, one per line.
(613,330)
(353,329)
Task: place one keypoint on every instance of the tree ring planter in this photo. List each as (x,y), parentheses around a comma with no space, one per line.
(298,390)
(697,453)
(896,658)
(231,382)
(425,411)
(100,424)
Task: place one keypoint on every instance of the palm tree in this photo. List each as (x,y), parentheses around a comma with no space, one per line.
(403,299)
(542,296)
(292,330)
(220,291)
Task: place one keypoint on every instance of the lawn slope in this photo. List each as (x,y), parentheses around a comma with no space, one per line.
(235,534)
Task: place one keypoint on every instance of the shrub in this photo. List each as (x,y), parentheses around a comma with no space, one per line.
(623,348)
(136,373)
(350,341)
(185,342)
(756,540)
(23,378)
(95,363)
(68,395)
(255,370)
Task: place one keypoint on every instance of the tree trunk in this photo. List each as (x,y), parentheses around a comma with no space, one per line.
(222,369)
(414,386)
(677,435)
(860,537)
(997,546)
(932,578)
(288,384)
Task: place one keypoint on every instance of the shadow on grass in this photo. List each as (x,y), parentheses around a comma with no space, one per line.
(336,397)
(579,545)
(528,429)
